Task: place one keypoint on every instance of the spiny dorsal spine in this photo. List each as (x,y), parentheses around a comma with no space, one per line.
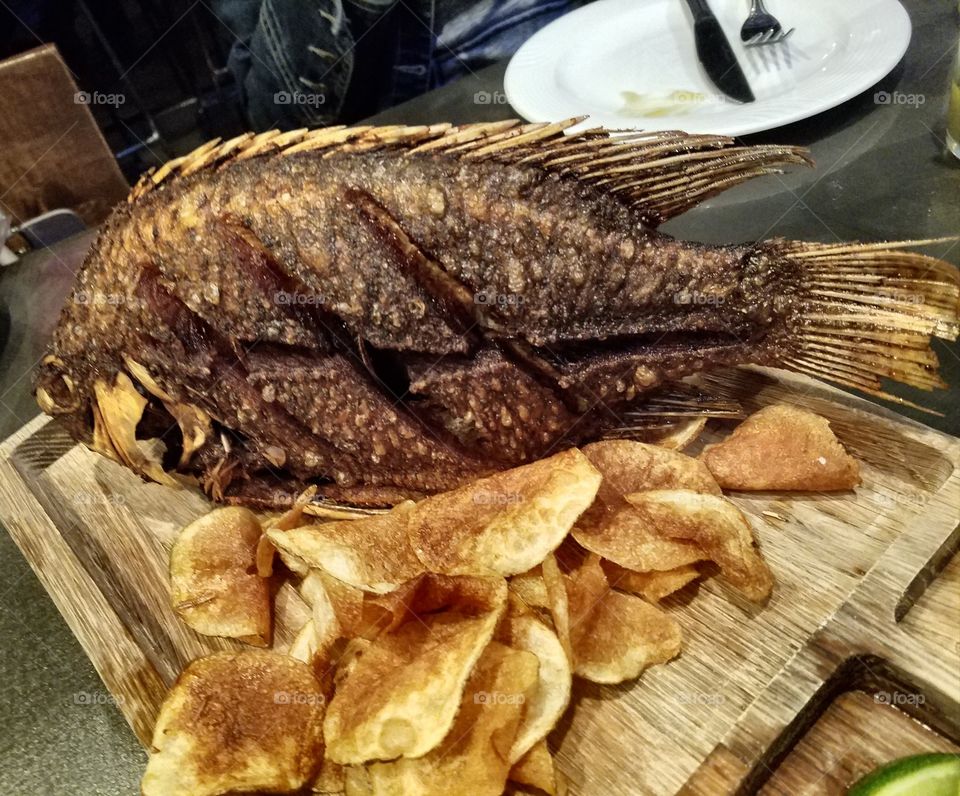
(660,174)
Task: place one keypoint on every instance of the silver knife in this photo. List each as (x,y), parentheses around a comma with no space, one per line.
(716,55)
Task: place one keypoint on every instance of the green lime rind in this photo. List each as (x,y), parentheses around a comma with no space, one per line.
(920,775)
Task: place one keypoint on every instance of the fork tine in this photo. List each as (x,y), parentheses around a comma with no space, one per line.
(769,36)
(781,36)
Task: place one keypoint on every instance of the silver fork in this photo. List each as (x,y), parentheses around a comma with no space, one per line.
(762,27)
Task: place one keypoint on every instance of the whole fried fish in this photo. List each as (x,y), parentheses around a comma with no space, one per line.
(388,311)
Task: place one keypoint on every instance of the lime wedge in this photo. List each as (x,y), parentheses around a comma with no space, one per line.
(920,775)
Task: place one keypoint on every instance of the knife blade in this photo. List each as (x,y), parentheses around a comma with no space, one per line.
(716,55)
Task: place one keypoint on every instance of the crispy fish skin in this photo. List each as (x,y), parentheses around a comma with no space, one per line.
(390,312)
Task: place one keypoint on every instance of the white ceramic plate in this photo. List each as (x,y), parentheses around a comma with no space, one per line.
(633,64)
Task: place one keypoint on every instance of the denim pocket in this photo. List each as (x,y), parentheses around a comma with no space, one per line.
(301,59)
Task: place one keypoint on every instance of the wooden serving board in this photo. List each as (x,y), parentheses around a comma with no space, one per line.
(864,602)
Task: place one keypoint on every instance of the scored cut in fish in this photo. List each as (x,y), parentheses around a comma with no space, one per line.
(388,312)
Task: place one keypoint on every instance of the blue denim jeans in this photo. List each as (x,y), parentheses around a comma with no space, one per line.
(313,62)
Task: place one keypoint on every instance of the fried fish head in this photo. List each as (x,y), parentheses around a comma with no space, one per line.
(120,408)
(782,447)
(237,721)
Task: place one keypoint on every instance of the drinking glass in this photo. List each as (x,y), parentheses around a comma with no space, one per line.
(953,109)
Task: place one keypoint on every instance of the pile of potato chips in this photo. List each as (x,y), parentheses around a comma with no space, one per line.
(444,634)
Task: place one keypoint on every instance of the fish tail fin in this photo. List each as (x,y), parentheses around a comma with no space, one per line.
(870,311)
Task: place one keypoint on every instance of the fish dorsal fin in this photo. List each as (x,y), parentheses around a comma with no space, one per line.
(660,174)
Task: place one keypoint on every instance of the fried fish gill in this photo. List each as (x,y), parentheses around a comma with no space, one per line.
(391,311)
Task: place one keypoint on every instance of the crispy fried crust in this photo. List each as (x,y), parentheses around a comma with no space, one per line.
(297,290)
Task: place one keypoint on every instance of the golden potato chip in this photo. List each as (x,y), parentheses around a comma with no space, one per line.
(321,649)
(385,612)
(306,644)
(293,517)
(213,583)
(357,781)
(426,593)
(628,539)
(628,466)
(246,721)
(353,650)
(472,760)
(263,557)
(558,603)
(374,715)
(551,695)
(372,553)
(652,586)
(337,612)
(347,604)
(506,523)
(537,769)
(682,434)
(714,524)
(615,636)
(332,778)
(782,447)
(569,556)
(295,564)
(530,588)
(284,522)
(401,695)
(675,435)
(611,528)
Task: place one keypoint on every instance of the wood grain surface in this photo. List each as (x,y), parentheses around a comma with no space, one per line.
(856,733)
(866,597)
